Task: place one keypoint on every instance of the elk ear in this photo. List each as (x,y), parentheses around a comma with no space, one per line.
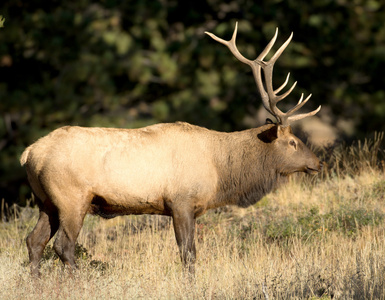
(268,135)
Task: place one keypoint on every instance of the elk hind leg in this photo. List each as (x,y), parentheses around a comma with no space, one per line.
(44,230)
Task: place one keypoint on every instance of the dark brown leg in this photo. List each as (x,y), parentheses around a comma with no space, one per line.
(44,230)
(65,248)
(70,226)
(184,226)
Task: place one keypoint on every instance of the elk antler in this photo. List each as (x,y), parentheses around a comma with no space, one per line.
(270,97)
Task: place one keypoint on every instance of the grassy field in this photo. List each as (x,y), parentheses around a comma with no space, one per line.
(319,237)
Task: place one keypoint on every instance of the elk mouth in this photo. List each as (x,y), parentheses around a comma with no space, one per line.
(312,171)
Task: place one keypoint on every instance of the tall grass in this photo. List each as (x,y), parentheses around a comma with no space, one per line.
(316,237)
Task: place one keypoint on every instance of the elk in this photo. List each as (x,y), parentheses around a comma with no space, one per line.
(173,169)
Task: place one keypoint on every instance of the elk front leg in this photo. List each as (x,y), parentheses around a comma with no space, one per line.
(184,227)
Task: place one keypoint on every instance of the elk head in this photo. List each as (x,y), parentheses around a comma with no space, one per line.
(288,146)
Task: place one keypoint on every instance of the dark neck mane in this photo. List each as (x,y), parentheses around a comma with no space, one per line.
(246,171)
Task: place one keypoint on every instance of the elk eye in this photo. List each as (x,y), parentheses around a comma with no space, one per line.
(293,144)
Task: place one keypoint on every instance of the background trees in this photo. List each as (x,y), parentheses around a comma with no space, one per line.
(133,63)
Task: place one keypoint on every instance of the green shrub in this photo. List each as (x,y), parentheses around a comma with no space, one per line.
(312,223)
(81,254)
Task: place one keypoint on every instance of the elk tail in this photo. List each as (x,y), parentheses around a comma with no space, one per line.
(24,156)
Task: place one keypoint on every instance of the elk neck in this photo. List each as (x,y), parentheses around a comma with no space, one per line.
(246,167)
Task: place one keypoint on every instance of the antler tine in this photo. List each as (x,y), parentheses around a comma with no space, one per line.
(283,84)
(255,65)
(300,103)
(270,97)
(284,95)
(232,46)
(272,94)
(268,47)
(281,49)
(302,116)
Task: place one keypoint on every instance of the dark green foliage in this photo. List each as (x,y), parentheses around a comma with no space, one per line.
(133,63)
(81,254)
(313,224)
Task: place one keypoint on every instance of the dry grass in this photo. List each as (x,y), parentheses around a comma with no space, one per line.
(319,237)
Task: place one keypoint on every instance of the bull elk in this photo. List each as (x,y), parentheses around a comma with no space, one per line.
(178,170)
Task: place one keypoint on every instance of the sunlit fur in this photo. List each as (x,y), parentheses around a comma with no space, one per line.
(177,169)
